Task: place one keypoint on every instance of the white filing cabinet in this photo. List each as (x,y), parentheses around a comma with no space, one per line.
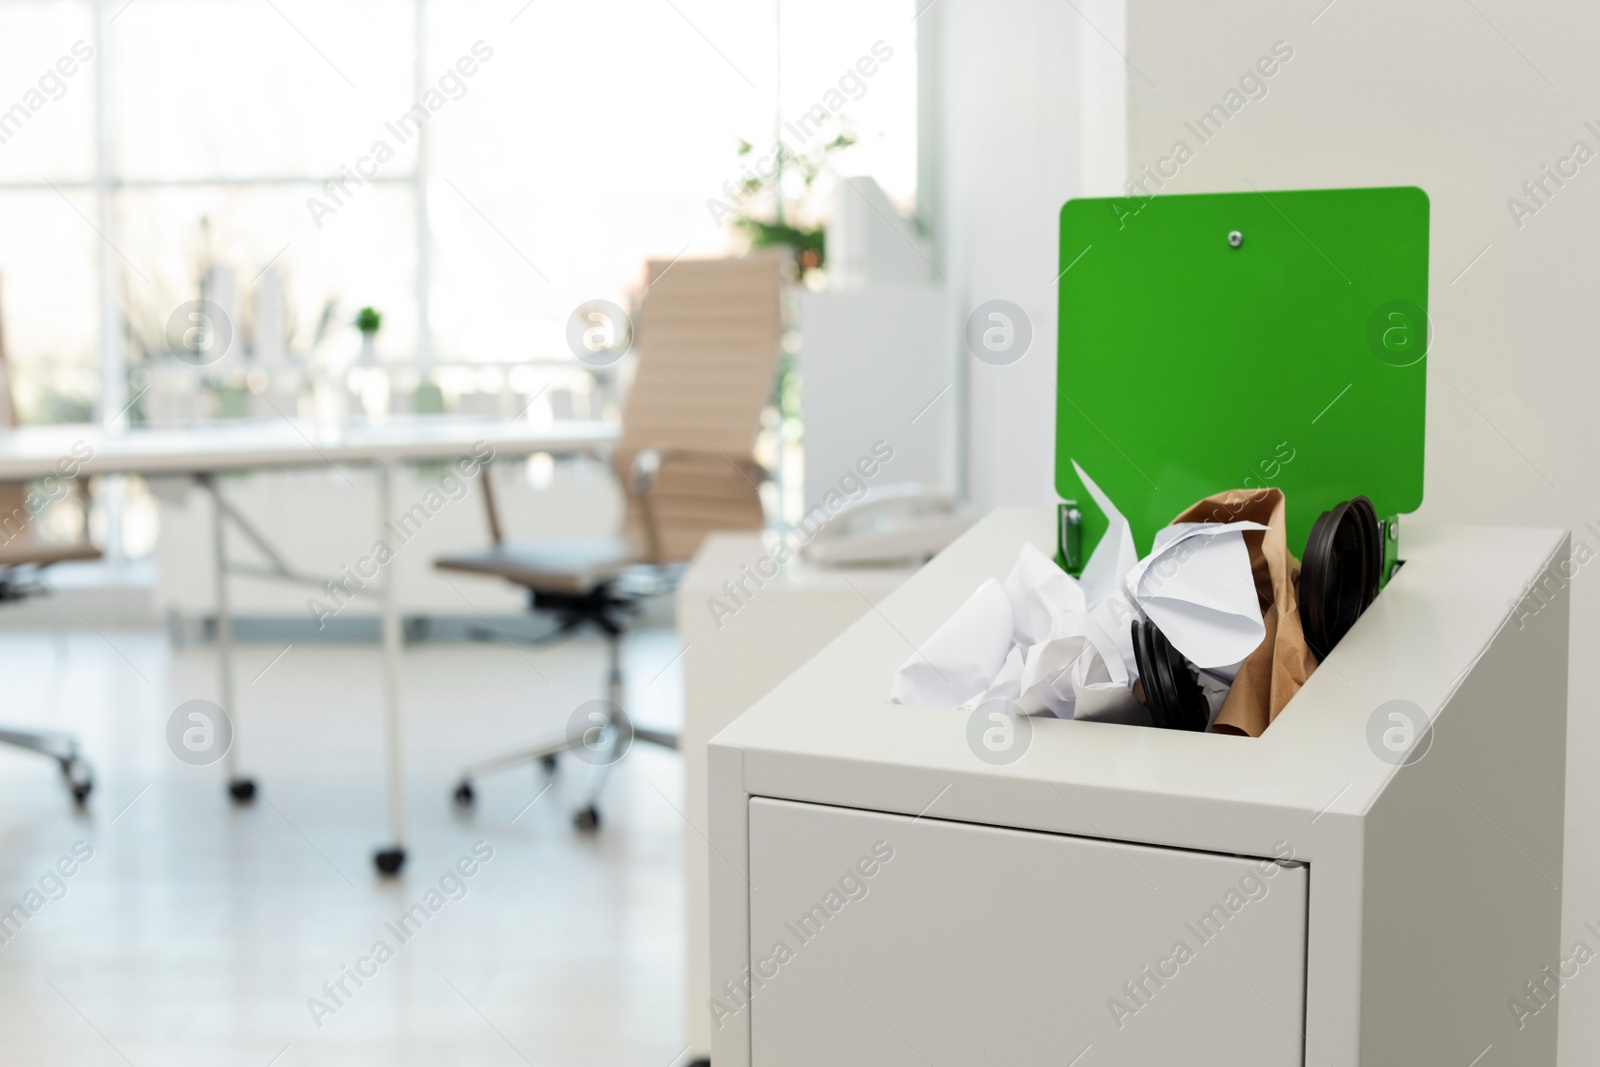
(890,898)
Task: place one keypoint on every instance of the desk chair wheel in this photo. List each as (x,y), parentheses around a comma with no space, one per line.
(587,819)
(464,796)
(242,790)
(79,778)
(699,1063)
(549,763)
(389,860)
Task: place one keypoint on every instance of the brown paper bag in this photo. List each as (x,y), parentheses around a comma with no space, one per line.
(1276,670)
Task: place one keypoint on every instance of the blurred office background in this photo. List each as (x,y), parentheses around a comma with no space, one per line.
(184,161)
(176,164)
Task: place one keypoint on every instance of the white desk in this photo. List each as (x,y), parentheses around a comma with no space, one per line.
(205,451)
(729,663)
(214,448)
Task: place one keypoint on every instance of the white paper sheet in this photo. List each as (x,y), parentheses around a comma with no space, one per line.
(1056,659)
(1114,556)
(1078,672)
(1197,586)
(1103,575)
(1007,684)
(962,657)
(1040,593)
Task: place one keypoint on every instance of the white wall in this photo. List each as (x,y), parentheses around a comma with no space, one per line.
(1009,140)
(1467,100)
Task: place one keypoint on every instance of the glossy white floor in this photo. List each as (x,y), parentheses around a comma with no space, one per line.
(197,931)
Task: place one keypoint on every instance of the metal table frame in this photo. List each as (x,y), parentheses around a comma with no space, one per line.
(204,452)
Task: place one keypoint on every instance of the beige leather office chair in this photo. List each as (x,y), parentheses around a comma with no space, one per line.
(707,341)
(23,555)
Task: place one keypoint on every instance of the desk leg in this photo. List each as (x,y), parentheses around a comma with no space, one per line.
(243,790)
(389,860)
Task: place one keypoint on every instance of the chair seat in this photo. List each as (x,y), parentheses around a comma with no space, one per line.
(25,552)
(573,566)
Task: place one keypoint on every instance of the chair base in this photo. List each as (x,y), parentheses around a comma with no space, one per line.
(599,737)
(547,753)
(389,861)
(63,748)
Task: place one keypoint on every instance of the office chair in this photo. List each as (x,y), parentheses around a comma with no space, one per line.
(22,557)
(707,340)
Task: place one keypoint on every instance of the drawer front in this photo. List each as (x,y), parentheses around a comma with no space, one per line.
(884,940)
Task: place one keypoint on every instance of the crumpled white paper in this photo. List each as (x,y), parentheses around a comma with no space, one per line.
(1062,661)
(1031,642)
(962,657)
(1051,644)
(1197,586)
(1115,555)
(1105,572)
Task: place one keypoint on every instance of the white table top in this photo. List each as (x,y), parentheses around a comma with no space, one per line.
(37,451)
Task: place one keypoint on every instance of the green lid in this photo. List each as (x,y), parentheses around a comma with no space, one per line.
(1243,340)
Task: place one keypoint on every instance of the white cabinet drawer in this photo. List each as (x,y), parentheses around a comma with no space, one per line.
(884,940)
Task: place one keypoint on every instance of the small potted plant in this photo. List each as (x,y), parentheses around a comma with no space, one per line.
(369,322)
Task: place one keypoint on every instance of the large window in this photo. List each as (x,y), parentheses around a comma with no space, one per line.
(474,169)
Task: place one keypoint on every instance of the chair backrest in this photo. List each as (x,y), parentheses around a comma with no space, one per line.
(707,337)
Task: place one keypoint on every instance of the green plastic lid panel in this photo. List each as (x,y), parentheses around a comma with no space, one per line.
(1243,341)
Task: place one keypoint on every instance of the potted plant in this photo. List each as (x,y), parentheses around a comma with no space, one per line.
(795,221)
(369,322)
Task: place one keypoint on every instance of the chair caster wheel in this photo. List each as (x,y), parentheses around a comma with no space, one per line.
(549,763)
(79,779)
(587,819)
(464,796)
(242,790)
(699,1063)
(389,860)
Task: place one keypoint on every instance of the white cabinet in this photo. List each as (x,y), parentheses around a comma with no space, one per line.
(1021,898)
(897,941)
